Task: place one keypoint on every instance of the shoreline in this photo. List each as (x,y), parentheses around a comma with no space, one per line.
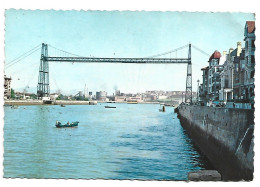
(64,102)
(40,102)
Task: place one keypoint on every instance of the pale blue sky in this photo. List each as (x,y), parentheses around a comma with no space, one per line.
(116,34)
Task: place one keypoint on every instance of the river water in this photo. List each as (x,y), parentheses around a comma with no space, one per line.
(131,141)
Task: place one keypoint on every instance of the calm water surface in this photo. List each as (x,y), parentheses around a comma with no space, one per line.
(128,142)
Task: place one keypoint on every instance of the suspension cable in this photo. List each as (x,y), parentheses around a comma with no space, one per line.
(32,76)
(165,53)
(9,65)
(64,51)
(200,50)
(22,55)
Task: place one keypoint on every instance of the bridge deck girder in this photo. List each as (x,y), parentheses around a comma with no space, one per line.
(120,60)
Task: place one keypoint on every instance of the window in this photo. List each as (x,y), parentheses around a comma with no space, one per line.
(253,44)
(226,83)
(252,74)
(252,59)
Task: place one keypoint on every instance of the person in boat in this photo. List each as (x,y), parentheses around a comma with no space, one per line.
(163,108)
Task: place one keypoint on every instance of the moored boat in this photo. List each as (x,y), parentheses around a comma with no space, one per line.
(73,124)
(14,107)
(110,107)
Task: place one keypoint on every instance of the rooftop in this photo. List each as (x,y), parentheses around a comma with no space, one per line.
(216,54)
(205,68)
(250,26)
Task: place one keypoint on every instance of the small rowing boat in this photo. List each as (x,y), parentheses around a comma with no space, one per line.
(73,124)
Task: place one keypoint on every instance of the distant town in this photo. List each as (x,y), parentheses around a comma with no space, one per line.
(175,97)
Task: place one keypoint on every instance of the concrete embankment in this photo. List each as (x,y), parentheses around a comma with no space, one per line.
(39,102)
(225,136)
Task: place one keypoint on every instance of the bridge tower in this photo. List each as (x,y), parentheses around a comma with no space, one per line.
(188,93)
(43,88)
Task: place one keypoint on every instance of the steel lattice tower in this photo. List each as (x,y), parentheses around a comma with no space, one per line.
(188,93)
(43,88)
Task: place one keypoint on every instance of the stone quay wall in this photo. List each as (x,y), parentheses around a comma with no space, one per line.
(225,136)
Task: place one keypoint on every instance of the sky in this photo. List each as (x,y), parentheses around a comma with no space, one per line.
(116,34)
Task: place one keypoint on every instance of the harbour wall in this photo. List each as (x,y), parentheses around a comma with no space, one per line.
(225,136)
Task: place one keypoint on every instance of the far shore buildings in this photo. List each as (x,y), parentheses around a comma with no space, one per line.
(150,96)
(232,82)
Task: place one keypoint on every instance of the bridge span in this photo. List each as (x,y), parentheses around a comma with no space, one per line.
(43,88)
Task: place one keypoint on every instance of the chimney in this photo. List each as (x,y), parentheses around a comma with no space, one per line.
(239,48)
(230,50)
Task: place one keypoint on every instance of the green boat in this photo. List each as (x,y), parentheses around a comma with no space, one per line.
(73,124)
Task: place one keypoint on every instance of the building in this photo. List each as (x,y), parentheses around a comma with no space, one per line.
(233,81)
(238,77)
(210,87)
(213,76)
(237,85)
(101,96)
(203,88)
(117,93)
(90,96)
(54,96)
(120,98)
(249,68)
(7,85)
(135,99)
(227,75)
(162,97)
